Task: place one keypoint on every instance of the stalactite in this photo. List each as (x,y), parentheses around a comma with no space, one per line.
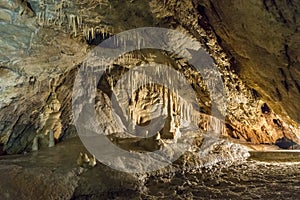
(43,17)
(143,43)
(188,112)
(49,21)
(58,7)
(79,21)
(65,3)
(192,117)
(139,42)
(31,40)
(125,43)
(72,23)
(39,86)
(92,33)
(85,32)
(182,111)
(40,18)
(42,4)
(103,32)
(170,105)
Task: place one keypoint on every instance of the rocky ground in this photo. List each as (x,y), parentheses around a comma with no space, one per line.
(52,173)
(249,180)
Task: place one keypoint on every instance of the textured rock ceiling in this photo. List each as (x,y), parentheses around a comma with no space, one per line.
(255,46)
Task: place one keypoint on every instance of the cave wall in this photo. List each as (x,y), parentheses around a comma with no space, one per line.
(258,63)
(264,40)
(245,118)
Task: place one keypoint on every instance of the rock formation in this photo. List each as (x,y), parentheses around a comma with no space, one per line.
(38,69)
(44,46)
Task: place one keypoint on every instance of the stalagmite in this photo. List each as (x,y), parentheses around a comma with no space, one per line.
(79,160)
(158,137)
(51,139)
(93,161)
(85,158)
(84,161)
(35,145)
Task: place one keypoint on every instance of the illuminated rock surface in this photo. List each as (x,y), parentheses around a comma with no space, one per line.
(255,47)
(37,65)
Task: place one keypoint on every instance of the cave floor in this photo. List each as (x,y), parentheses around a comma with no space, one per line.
(249,180)
(52,173)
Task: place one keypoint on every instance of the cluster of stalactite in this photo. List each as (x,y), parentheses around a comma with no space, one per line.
(145,100)
(62,15)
